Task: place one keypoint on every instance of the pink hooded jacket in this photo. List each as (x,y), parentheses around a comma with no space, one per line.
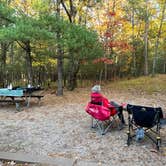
(98,98)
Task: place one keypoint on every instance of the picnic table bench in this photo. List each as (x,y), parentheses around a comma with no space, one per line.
(16,102)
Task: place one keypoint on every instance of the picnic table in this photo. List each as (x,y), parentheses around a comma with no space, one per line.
(17,95)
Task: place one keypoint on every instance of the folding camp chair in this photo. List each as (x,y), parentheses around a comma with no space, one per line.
(102,118)
(147,119)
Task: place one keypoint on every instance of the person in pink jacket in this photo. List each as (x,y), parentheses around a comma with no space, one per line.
(99,99)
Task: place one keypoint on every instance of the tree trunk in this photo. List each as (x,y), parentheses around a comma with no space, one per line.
(60,58)
(60,75)
(133,39)
(28,58)
(72,74)
(146,72)
(3,64)
(12,60)
(157,40)
(110,28)
(105,72)
(73,65)
(100,76)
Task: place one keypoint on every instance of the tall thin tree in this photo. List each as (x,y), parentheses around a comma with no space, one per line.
(59,57)
(146,72)
(157,39)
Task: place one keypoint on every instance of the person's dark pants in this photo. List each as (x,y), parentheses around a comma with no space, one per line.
(119,109)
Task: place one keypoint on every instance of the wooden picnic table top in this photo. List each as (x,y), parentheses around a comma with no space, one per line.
(18,91)
(10,92)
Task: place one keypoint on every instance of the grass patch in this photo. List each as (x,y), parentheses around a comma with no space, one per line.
(144,84)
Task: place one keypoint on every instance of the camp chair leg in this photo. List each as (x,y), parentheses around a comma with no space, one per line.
(107,128)
(158,144)
(103,126)
(130,126)
(100,126)
(92,126)
(94,123)
(128,138)
(120,126)
(158,128)
(158,138)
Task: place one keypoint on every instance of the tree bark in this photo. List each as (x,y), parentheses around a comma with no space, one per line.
(3,63)
(164,68)
(72,74)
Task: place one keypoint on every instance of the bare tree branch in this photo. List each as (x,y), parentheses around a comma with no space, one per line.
(67,12)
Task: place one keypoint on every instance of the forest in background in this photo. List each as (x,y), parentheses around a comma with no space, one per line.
(65,42)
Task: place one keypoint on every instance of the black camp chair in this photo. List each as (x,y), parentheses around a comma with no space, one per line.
(147,118)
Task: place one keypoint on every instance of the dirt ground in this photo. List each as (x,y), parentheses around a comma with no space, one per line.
(61,127)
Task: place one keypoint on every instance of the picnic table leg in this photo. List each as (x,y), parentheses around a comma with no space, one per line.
(39,100)
(18,106)
(28,104)
(27,101)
